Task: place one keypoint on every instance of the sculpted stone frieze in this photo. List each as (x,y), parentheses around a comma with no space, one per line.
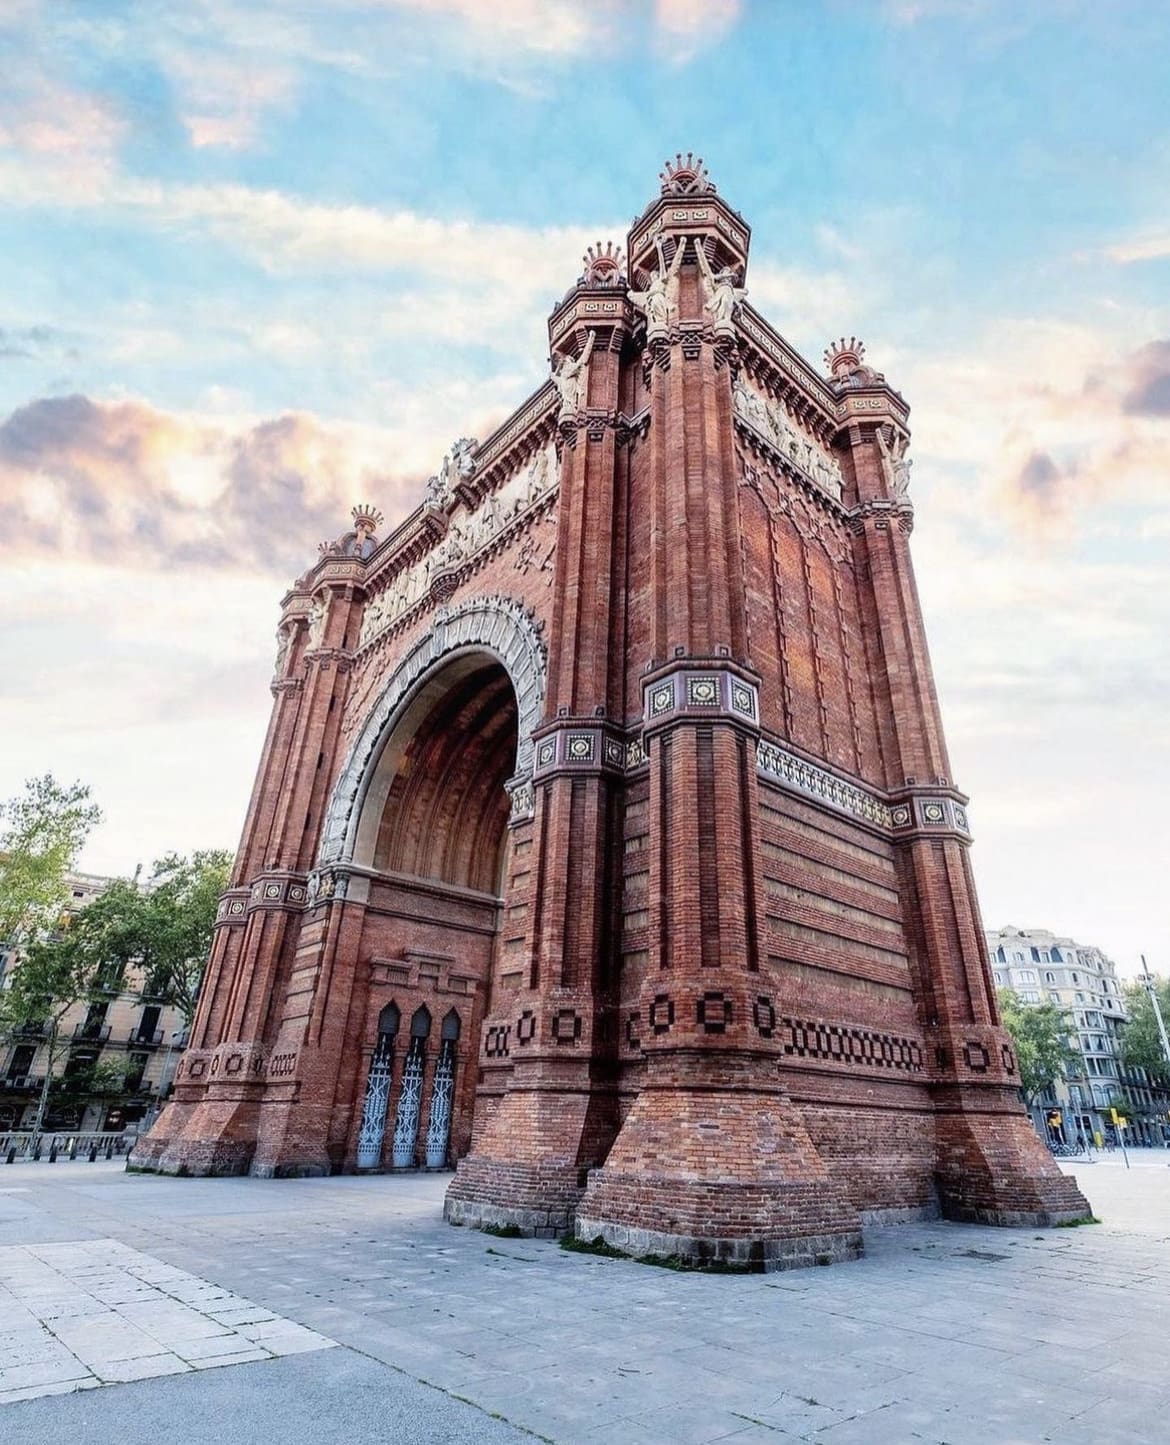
(769,420)
(468,533)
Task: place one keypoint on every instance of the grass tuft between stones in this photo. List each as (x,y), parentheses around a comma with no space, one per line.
(502,1231)
(678,1262)
(1076,1223)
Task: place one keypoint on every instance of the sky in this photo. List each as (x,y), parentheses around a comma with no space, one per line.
(264,261)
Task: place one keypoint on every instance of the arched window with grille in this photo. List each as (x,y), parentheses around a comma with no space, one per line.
(373,1127)
(442,1093)
(410,1095)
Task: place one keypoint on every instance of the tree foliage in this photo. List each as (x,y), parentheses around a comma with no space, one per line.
(44,829)
(162,931)
(1141,1045)
(176,923)
(1040,1034)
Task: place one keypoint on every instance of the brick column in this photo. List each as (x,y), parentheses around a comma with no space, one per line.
(558,1115)
(713,1160)
(991,1166)
(223,1087)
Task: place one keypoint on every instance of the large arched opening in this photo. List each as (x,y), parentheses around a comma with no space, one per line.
(437,806)
(429,853)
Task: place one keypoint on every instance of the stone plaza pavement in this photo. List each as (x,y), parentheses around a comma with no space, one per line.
(345,1310)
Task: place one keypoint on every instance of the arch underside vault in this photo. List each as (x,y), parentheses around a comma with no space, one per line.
(446,806)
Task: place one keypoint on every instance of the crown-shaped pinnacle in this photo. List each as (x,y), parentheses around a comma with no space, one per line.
(685,176)
(842,357)
(366,518)
(604,266)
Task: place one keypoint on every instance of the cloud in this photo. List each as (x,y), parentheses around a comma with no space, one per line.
(1148,392)
(686,27)
(225,95)
(125,484)
(545,27)
(1152,246)
(1038,478)
(75,132)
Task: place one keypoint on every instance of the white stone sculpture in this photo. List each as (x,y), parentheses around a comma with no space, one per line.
(284,637)
(572,381)
(659,301)
(317,620)
(720,293)
(895,463)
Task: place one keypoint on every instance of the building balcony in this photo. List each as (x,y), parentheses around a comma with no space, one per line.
(144,1039)
(86,1033)
(22,1084)
(36,1030)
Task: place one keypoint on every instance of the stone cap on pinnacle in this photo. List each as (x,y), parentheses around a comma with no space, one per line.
(845,360)
(686,177)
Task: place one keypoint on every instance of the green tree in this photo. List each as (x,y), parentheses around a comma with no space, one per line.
(1141,1044)
(1040,1033)
(178,919)
(44,829)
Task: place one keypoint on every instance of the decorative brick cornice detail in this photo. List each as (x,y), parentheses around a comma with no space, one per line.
(281,889)
(417,972)
(882,515)
(579,745)
(502,627)
(930,811)
(233,907)
(694,690)
(799,375)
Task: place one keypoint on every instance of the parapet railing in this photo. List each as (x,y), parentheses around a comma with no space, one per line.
(27,1146)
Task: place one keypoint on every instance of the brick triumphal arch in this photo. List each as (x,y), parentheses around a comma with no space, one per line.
(604,842)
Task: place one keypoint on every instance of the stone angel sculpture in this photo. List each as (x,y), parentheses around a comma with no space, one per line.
(720,293)
(659,301)
(895,464)
(572,381)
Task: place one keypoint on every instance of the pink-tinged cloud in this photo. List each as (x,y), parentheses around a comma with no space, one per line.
(77,131)
(124,484)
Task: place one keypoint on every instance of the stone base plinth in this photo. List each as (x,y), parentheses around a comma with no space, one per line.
(539,1200)
(722,1170)
(215,1137)
(993,1169)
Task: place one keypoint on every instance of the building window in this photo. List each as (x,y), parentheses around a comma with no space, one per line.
(1056,956)
(1029,995)
(1027,975)
(1053,995)
(1049,978)
(999,980)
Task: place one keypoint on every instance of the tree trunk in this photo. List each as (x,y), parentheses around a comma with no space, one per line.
(43,1102)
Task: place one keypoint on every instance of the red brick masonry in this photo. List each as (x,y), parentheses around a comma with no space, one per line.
(604,840)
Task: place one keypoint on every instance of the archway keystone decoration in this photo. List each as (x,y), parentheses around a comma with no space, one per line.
(604,846)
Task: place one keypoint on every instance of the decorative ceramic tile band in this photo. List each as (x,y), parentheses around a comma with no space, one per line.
(776,762)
